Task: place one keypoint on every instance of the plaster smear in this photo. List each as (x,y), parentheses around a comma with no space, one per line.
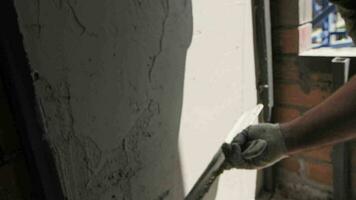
(219,87)
(109,79)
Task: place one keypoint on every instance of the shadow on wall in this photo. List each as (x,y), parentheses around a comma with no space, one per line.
(109,80)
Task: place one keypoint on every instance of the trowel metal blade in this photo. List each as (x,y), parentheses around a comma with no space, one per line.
(216,165)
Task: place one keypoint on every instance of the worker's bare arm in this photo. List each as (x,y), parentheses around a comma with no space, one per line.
(332,121)
(262,145)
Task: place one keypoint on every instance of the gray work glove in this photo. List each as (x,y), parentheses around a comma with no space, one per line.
(256,147)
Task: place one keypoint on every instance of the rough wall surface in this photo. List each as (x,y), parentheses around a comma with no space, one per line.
(109,79)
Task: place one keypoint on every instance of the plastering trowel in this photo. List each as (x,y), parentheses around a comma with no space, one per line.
(216,165)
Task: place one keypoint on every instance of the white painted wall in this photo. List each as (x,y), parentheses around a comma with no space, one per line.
(219,86)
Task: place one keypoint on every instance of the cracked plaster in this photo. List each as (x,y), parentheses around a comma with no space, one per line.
(109,81)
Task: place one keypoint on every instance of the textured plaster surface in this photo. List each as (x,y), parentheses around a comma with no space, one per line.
(219,86)
(109,79)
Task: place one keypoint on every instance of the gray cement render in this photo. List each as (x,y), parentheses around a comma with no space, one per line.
(109,78)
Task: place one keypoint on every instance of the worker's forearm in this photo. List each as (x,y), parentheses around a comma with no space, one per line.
(332,121)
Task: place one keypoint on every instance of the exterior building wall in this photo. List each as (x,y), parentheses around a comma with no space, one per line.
(300,84)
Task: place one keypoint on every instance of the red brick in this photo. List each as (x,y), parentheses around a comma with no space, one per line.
(291,12)
(286,40)
(292,40)
(290,164)
(322,154)
(284,114)
(286,68)
(321,78)
(319,172)
(285,13)
(292,94)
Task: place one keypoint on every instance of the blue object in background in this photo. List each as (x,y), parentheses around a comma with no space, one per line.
(324,16)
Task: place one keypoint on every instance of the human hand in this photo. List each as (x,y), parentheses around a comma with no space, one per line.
(256,147)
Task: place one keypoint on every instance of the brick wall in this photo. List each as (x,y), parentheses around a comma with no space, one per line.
(300,84)
(299,87)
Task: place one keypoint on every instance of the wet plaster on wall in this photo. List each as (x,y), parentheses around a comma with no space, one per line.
(109,78)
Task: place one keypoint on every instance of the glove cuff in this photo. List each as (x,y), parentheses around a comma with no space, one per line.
(282,142)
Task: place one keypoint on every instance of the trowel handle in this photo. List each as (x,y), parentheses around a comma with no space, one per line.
(214,169)
(217,164)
